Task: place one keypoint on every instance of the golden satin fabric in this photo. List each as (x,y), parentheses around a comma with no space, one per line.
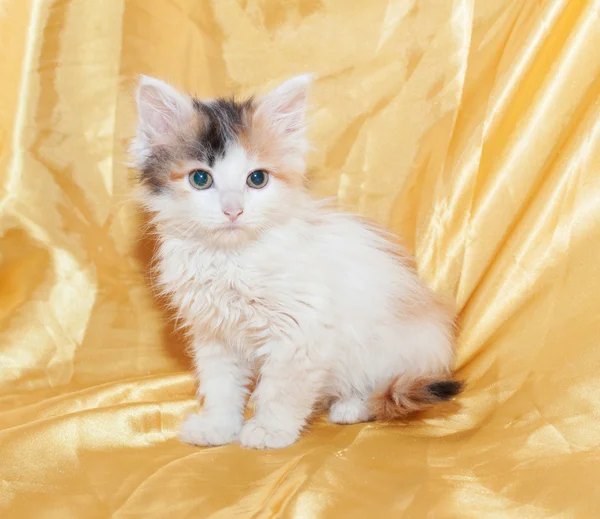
(470,127)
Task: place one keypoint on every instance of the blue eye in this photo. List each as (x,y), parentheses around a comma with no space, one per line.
(257,179)
(200,179)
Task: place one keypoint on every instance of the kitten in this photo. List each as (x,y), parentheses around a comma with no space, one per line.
(272,284)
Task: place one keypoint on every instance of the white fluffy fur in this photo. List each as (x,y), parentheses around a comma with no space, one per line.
(312,300)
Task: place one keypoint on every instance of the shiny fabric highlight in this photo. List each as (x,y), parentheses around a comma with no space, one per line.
(469,127)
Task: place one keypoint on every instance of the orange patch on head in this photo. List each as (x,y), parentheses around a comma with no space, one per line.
(175,175)
(262,140)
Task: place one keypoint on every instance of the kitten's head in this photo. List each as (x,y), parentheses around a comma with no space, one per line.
(219,169)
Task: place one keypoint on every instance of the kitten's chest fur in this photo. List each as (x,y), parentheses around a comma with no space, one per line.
(233,298)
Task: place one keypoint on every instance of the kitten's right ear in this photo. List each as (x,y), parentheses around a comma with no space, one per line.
(161,108)
(286,104)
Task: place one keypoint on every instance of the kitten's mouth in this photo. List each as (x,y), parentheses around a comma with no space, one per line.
(230,227)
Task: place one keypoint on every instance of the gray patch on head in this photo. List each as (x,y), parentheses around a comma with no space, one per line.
(223,122)
(155,170)
(224,119)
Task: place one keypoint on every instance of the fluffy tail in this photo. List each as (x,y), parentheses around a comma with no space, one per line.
(406,395)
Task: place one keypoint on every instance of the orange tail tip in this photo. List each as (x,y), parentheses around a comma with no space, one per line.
(406,395)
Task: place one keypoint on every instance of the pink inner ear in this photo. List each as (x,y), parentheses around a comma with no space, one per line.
(286,107)
(154,116)
(294,118)
(161,108)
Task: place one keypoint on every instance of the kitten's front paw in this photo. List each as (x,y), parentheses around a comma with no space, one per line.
(256,435)
(206,430)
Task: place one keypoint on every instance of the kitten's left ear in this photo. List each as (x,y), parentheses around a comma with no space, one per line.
(286,105)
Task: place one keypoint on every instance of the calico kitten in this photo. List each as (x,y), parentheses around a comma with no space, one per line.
(273,285)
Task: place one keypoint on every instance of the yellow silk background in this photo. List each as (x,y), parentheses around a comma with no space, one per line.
(470,127)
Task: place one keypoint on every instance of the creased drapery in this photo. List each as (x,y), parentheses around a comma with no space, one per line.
(469,127)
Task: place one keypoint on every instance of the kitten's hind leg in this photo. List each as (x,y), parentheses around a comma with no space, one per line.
(347,410)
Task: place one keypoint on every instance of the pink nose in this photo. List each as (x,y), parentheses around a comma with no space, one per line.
(233,214)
